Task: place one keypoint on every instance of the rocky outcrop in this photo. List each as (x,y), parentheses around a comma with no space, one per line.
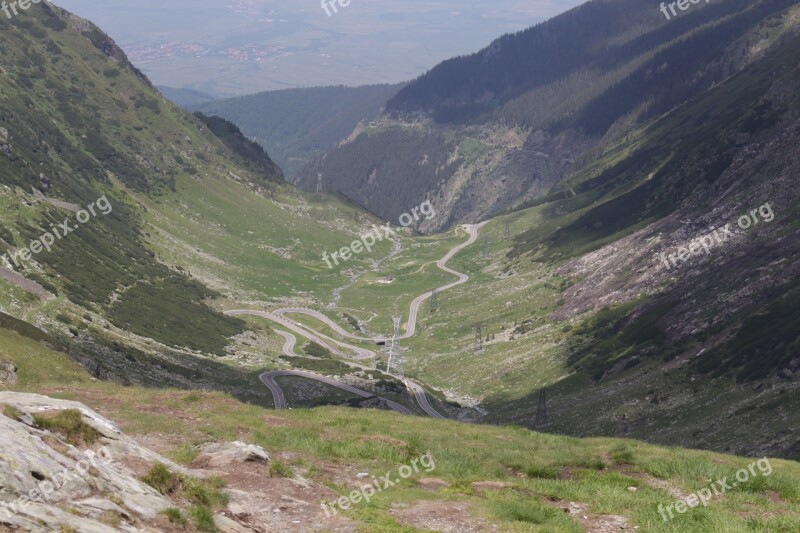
(8,373)
(48,484)
(220,454)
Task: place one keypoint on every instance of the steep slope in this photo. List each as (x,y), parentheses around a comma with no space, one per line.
(74,114)
(542,103)
(576,298)
(297,125)
(165,214)
(720,176)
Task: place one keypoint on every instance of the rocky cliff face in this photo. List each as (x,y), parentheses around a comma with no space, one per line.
(53,483)
(50,484)
(54,480)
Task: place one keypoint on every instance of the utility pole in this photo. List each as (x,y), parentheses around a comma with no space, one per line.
(507,231)
(478,343)
(485,247)
(392,352)
(434,301)
(541,411)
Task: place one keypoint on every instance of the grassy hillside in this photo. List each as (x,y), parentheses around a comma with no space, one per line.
(201,222)
(571,299)
(78,152)
(509,479)
(128,143)
(197,213)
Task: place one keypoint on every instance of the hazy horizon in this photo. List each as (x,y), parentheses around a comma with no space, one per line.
(249,46)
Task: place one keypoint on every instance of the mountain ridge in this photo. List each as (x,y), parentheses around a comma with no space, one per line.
(568,101)
(566,323)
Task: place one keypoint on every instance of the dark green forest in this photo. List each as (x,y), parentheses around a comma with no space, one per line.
(296,125)
(623,49)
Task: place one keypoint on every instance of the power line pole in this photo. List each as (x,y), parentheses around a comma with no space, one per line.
(434,301)
(541,411)
(478,343)
(507,231)
(393,354)
(485,247)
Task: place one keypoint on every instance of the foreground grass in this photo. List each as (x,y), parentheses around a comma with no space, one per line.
(537,473)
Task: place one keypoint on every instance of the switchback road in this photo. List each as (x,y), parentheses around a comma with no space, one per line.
(268,378)
(279,317)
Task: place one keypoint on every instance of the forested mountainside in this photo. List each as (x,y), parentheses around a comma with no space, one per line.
(589,43)
(517,117)
(648,290)
(676,343)
(126,290)
(297,125)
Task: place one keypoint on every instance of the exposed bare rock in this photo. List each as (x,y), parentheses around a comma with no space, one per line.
(441,516)
(214,455)
(491,485)
(41,475)
(21,282)
(227,525)
(8,373)
(47,484)
(594,523)
(632,267)
(432,484)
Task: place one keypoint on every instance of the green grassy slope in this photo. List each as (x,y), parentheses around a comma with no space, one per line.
(201,221)
(75,113)
(509,478)
(198,213)
(202,224)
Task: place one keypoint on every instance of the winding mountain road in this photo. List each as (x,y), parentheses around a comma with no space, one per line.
(278,316)
(411,325)
(268,379)
(291,342)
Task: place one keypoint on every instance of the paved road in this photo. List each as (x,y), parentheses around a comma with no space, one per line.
(278,399)
(268,378)
(422,398)
(361,353)
(285,322)
(411,325)
(288,346)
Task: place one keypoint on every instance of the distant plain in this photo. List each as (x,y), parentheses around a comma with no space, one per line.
(246,46)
